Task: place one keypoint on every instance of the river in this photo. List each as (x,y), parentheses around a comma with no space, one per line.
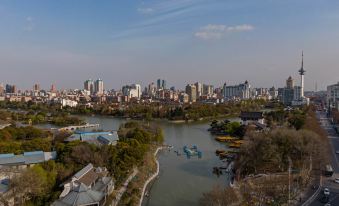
(181,181)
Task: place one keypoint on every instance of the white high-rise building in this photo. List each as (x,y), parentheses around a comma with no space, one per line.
(199,89)
(191,90)
(241,91)
(99,87)
(132,91)
(208,90)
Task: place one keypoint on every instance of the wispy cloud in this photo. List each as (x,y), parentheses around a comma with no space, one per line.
(217,31)
(29,24)
(163,12)
(147,10)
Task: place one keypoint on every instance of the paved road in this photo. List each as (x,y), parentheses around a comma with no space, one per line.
(328,182)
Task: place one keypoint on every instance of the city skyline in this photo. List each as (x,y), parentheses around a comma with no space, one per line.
(126,42)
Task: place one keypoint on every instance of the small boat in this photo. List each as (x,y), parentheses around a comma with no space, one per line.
(234,145)
(225,138)
(219,151)
(192,151)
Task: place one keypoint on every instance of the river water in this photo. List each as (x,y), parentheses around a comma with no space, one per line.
(181,181)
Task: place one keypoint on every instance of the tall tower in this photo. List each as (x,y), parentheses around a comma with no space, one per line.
(302,73)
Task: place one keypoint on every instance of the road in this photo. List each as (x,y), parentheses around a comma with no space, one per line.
(328,182)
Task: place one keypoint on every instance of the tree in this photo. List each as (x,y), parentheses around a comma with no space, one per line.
(219,197)
(33,184)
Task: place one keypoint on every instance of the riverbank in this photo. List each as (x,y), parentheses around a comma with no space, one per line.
(135,190)
(150,179)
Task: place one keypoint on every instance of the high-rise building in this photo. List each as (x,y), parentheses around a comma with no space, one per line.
(53,88)
(241,91)
(161,84)
(152,89)
(2,88)
(333,96)
(208,90)
(287,94)
(191,90)
(89,86)
(199,89)
(290,83)
(132,91)
(36,87)
(99,87)
(273,92)
(10,89)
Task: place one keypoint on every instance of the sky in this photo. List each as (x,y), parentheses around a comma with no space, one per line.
(65,42)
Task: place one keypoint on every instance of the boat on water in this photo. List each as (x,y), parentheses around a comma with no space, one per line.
(225,138)
(234,145)
(192,151)
(219,151)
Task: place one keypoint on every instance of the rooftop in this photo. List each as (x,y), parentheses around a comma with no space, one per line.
(26,158)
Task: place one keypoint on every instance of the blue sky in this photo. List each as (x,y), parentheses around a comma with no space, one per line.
(131,41)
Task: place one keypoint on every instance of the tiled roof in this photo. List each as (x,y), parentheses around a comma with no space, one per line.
(97,138)
(81,195)
(90,177)
(26,158)
(83,171)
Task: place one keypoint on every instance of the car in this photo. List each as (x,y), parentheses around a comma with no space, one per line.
(337,152)
(326,191)
(328,204)
(325,199)
(336,180)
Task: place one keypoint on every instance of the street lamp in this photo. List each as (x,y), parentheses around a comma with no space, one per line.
(289,179)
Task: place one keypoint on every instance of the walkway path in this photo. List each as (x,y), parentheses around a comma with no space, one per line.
(123,188)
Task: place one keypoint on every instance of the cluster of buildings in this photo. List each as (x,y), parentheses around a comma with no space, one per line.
(93,92)
(89,186)
(291,94)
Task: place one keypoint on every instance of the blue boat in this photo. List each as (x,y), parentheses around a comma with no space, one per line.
(192,151)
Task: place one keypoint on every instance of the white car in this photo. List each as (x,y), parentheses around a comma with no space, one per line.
(326,191)
(336,180)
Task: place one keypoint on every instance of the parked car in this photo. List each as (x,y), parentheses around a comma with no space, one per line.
(336,180)
(326,191)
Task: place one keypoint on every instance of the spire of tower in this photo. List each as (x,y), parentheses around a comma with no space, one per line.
(302,71)
(302,59)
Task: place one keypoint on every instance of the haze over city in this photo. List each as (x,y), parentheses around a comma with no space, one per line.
(122,42)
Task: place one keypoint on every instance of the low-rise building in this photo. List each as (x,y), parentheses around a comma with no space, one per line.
(89,186)
(252,117)
(26,159)
(97,138)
